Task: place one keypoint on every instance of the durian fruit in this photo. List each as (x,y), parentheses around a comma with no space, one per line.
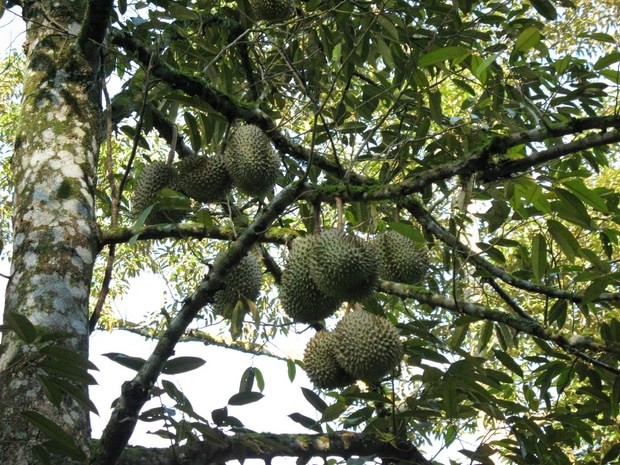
(151,180)
(344,266)
(400,258)
(273,10)
(321,365)
(301,299)
(205,179)
(251,161)
(242,281)
(366,346)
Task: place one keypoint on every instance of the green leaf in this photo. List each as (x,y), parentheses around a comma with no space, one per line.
(243,398)
(306,422)
(564,238)
(529,38)
(260,381)
(177,365)
(333,411)
(450,400)
(607,60)
(314,399)
(611,454)
(291,369)
(247,380)
(133,363)
(359,416)
(67,370)
(595,289)
(22,326)
(194,132)
(586,194)
(508,362)
(55,433)
(572,209)
(539,256)
(485,336)
(545,8)
(68,356)
(174,393)
(558,312)
(63,387)
(442,54)
(219,416)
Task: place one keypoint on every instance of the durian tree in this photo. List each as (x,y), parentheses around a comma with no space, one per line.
(427,189)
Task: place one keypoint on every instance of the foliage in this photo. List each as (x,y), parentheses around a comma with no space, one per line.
(484,131)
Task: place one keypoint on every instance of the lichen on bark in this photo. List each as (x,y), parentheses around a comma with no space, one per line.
(55,235)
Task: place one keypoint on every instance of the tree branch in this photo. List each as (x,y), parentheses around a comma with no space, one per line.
(433,226)
(135,393)
(572,343)
(265,446)
(510,167)
(121,235)
(93,31)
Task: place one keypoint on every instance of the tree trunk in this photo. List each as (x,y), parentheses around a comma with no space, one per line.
(55,235)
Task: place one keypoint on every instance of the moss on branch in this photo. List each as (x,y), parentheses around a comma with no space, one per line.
(265,446)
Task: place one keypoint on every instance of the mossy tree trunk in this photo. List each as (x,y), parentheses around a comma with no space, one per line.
(55,235)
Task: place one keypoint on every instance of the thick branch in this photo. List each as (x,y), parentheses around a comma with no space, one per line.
(136,392)
(433,226)
(478,163)
(94,27)
(524,325)
(265,446)
(121,235)
(510,167)
(501,144)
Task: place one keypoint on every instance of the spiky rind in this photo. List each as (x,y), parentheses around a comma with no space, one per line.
(149,183)
(205,179)
(153,177)
(251,161)
(242,281)
(400,258)
(321,365)
(273,10)
(301,298)
(344,266)
(366,346)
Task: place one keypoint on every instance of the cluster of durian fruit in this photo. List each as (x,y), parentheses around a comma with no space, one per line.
(332,267)
(249,163)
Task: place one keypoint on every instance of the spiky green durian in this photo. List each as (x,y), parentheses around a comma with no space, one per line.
(301,298)
(242,281)
(273,10)
(400,258)
(149,183)
(344,266)
(251,161)
(366,346)
(321,365)
(205,179)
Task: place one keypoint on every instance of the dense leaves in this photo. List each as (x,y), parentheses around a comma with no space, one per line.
(486,132)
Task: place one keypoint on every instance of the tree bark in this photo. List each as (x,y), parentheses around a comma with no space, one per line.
(55,235)
(265,446)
